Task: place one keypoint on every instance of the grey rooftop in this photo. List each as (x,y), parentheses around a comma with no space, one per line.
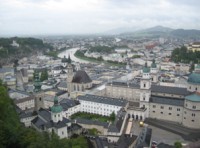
(103,100)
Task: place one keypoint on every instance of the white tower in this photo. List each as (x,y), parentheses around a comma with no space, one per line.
(154,72)
(145,89)
(56,111)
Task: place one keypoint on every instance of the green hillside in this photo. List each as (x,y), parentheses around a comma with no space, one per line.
(21,48)
(13,134)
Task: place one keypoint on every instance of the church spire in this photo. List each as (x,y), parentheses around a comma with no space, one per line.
(69,59)
(37,83)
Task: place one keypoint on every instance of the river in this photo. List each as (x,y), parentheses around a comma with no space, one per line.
(71,52)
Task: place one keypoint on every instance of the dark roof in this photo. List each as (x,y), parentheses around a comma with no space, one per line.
(144,138)
(117,125)
(104,100)
(45,114)
(90,122)
(24,99)
(81,77)
(169,90)
(124,84)
(62,84)
(38,122)
(67,103)
(59,124)
(167,100)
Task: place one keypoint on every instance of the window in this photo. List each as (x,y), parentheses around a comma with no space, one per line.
(170,113)
(161,112)
(194,107)
(58,115)
(144,98)
(55,116)
(162,107)
(154,106)
(178,115)
(193,115)
(190,87)
(170,108)
(153,111)
(62,133)
(184,117)
(185,112)
(144,85)
(40,99)
(192,120)
(196,88)
(178,109)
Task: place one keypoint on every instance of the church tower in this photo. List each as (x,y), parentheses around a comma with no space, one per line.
(64,61)
(70,75)
(154,72)
(56,111)
(145,89)
(37,92)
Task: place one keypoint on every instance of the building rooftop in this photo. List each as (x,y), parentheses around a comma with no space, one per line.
(194,78)
(167,100)
(103,100)
(194,97)
(81,77)
(169,90)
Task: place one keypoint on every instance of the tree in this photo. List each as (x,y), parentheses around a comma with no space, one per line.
(178,144)
(112,116)
(44,75)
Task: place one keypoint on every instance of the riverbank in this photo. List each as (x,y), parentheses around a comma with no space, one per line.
(80,55)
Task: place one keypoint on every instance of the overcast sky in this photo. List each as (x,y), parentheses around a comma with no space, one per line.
(37,17)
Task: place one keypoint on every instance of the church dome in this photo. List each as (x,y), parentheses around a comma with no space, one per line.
(146,69)
(56,108)
(153,64)
(194,78)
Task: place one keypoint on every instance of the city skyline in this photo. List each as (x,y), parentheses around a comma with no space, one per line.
(48,17)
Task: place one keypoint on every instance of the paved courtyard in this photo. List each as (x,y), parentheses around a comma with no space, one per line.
(159,135)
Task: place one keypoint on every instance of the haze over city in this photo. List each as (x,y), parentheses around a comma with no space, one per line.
(50,17)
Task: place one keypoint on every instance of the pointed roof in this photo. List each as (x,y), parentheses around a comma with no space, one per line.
(153,64)
(56,108)
(69,59)
(81,77)
(37,82)
(145,68)
(64,60)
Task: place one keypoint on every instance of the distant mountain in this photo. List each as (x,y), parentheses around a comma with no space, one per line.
(193,33)
(158,29)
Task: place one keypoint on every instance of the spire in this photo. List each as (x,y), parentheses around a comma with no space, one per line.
(153,64)
(55,100)
(69,59)
(145,68)
(56,108)
(37,83)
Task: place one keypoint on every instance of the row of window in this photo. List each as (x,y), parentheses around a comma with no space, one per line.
(191,120)
(193,107)
(168,113)
(170,108)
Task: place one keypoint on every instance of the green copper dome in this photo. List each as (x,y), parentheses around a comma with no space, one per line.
(153,64)
(194,78)
(56,108)
(146,69)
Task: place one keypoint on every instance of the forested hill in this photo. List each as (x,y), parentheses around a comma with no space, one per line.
(15,135)
(14,48)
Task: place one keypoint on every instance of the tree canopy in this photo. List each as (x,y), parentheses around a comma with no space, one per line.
(185,56)
(14,134)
